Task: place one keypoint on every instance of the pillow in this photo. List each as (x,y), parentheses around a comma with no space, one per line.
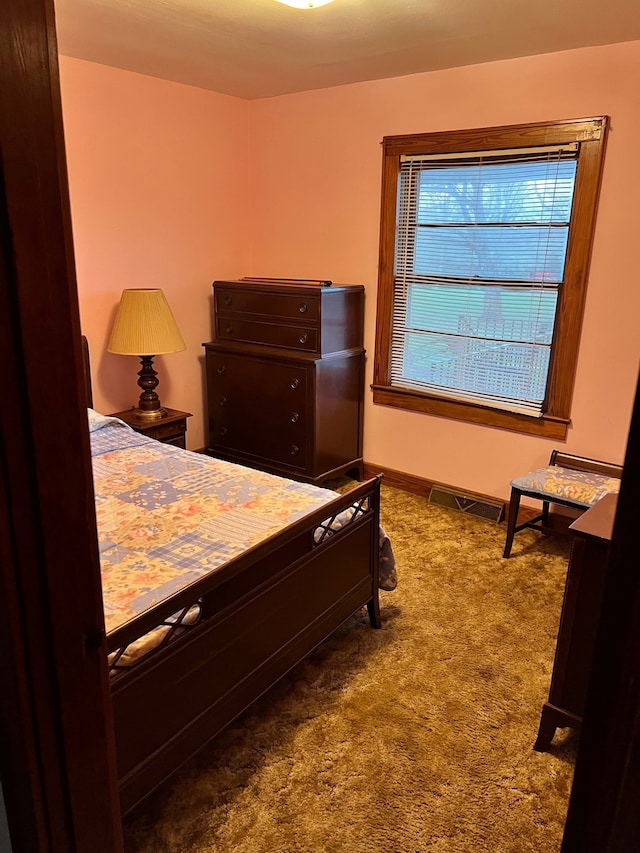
(98,421)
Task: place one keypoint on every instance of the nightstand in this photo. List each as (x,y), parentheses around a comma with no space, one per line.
(170,429)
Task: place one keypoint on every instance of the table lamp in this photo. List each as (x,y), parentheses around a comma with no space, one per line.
(145,327)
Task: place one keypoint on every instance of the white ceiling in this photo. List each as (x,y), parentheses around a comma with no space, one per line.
(260,48)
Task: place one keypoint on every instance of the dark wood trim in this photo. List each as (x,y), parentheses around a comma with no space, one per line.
(603,815)
(56,743)
(591,134)
(419,485)
(400,480)
(573,293)
(502,136)
(414,401)
(384,306)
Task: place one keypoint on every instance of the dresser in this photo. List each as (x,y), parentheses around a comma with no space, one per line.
(578,620)
(285,377)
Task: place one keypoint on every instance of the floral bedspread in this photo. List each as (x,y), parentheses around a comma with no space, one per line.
(166,516)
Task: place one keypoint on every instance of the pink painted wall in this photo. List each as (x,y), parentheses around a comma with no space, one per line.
(316,167)
(174,186)
(159,186)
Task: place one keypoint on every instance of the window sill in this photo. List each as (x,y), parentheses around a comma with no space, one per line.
(546,426)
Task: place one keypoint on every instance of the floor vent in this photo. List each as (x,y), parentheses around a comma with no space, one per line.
(491,510)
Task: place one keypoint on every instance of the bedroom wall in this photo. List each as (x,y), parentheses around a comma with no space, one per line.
(316,166)
(161,196)
(159,188)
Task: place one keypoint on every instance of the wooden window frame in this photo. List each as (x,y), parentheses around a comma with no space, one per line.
(590,133)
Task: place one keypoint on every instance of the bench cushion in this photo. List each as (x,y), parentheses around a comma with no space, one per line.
(582,488)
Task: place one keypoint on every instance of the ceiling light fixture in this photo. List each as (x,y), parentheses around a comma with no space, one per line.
(305,4)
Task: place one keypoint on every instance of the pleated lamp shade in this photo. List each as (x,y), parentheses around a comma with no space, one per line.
(144,325)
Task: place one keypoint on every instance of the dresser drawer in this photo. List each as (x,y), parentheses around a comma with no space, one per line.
(286,450)
(269,334)
(167,432)
(267,304)
(258,408)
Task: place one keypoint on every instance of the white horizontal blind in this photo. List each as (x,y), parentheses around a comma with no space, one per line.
(481,241)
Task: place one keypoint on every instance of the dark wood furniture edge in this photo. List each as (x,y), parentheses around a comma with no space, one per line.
(603,814)
(353,467)
(552,718)
(585,463)
(581,602)
(597,521)
(288,285)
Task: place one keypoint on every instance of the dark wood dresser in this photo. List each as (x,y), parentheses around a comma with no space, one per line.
(285,377)
(579,620)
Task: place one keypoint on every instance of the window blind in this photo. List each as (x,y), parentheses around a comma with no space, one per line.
(481,241)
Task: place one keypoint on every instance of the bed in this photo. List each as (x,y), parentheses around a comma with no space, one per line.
(217,580)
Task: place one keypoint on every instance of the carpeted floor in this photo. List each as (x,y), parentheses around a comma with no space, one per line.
(413,739)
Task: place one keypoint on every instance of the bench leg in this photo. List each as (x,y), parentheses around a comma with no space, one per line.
(514,506)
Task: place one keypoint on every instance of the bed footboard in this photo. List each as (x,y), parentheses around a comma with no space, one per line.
(261,615)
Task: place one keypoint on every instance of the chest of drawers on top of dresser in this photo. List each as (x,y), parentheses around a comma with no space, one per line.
(312,319)
(285,377)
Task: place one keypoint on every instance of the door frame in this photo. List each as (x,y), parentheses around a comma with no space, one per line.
(57,763)
(57,756)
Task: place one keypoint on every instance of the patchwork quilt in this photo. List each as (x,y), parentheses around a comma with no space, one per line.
(166,516)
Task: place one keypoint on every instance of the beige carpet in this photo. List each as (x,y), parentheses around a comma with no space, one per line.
(413,739)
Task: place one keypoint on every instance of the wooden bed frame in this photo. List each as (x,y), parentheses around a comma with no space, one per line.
(262,613)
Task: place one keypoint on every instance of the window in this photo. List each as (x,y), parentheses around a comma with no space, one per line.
(485,241)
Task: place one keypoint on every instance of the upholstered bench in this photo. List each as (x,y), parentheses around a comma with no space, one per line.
(572,481)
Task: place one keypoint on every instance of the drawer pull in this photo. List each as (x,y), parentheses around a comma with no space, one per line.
(294,449)
(220,369)
(294,383)
(223,401)
(303,308)
(227,299)
(228,328)
(295,417)
(223,430)
(303,338)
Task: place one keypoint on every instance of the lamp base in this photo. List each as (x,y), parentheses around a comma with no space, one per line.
(149,407)
(154,414)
